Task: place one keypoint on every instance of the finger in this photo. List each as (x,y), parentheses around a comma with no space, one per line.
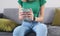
(29,16)
(28,13)
(31,10)
(21,13)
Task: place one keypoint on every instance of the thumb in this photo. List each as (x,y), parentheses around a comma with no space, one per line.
(31,10)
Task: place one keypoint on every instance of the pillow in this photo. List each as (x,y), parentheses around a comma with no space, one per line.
(56,20)
(7,25)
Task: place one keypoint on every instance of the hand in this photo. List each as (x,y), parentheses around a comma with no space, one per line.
(20,15)
(30,14)
(39,19)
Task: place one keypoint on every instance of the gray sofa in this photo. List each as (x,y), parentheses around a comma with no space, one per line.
(12,13)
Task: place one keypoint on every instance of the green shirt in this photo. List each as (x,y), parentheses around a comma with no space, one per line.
(36,5)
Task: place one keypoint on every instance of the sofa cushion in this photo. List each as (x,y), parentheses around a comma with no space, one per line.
(56,20)
(48,15)
(6,34)
(7,25)
(12,13)
(54,30)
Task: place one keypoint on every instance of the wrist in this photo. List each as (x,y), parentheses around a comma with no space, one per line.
(38,19)
(35,19)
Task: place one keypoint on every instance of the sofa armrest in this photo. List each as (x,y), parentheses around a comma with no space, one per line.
(1,15)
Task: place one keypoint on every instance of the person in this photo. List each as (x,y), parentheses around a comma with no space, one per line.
(37,16)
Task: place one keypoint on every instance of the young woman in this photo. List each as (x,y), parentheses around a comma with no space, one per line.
(37,16)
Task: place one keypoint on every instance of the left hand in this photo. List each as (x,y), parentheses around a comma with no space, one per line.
(39,19)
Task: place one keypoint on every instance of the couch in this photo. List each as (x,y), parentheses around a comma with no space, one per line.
(12,13)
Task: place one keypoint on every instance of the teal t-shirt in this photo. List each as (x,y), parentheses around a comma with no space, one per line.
(35,6)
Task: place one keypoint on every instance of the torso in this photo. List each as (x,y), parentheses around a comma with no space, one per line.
(35,6)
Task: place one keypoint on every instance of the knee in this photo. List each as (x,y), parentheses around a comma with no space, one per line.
(42,26)
(16,30)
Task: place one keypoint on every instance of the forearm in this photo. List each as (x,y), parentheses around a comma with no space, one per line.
(19,12)
(41,17)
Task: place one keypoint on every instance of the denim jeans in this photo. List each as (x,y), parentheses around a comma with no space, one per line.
(39,28)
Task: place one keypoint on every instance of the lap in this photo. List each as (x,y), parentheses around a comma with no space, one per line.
(22,28)
(40,26)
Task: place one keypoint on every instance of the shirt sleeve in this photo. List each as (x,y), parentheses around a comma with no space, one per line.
(20,2)
(42,2)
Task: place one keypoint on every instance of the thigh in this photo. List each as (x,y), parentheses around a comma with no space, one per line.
(20,30)
(16,31)
(40,29)
(27,24)
(40,26)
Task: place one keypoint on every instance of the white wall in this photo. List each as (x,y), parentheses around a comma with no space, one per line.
(13,4)
(53,3)
(7,4)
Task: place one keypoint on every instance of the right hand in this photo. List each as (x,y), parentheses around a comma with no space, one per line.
(20,15)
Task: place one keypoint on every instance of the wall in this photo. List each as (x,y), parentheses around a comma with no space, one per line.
(7,4)
(13,4)
(53,3)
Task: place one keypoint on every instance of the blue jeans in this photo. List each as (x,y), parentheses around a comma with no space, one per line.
(39,28)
